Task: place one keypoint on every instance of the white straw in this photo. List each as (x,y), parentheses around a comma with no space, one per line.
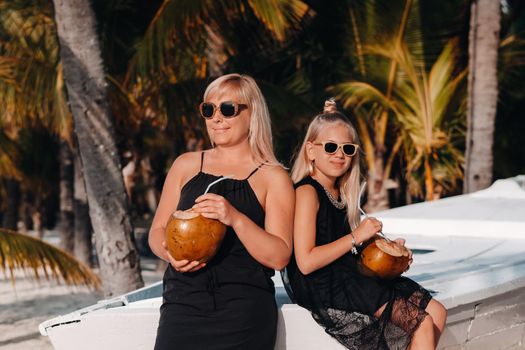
(218,180)
(363,186)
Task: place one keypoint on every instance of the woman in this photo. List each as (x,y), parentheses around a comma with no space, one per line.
(360,312)
(228,303)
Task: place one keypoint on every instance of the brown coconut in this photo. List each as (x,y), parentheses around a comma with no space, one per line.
(190,236)
(384,259)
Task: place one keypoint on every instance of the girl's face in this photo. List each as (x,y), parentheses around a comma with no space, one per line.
(228,131)
(331,165)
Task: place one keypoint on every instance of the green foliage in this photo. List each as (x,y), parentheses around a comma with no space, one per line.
(21,252)
(31,85)
(421,104)
(180,35)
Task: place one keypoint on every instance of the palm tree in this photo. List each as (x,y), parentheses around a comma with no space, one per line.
(87,95)
(373,122)
(482,93)
(187,42)
(180,35)
(276,17)
(9,155)
(32,90)
(24,53)
(509,159)
(21,252)
(423,105)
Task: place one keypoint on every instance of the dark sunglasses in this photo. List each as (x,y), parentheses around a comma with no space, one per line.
(229,109)
(349,149)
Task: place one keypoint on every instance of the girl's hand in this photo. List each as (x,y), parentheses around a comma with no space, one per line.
(217,207)
(367,229)
(401,241)
(182,265)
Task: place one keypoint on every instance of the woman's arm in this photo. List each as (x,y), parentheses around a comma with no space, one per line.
(179,172)
(271,246)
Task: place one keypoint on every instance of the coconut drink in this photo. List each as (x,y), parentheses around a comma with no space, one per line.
(384,258)
(190,236)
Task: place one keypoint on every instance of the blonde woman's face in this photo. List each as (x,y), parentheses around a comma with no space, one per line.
(228,131)
(332,165)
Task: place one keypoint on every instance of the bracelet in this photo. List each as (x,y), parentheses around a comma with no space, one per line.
(354,244)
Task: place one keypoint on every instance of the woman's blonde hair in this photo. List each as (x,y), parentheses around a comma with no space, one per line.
(348,183)
(260,135)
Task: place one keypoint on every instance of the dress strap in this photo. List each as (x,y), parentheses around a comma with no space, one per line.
(254,171)
(202,160)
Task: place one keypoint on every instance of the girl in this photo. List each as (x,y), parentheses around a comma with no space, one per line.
(360,312)
(228,303)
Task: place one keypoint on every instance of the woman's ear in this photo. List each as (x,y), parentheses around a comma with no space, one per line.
(310,151)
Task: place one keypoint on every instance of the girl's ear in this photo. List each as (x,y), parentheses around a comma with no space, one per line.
(310,151)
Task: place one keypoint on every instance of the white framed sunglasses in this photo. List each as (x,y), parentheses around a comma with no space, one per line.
(330,147)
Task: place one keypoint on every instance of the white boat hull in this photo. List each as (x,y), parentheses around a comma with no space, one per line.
(474,265)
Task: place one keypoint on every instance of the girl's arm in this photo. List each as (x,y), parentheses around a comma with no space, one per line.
(310,257)
(271,246)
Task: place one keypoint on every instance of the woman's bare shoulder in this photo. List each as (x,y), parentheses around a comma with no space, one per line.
(276,175)
(186,165)
(188,158)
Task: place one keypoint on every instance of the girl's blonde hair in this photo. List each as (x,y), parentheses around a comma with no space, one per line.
(348,183)
(260,134)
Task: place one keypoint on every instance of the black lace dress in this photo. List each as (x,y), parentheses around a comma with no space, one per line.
(344,301)
(230,303)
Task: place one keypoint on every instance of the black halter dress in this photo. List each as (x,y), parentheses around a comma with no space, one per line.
(230,303)
(344,301)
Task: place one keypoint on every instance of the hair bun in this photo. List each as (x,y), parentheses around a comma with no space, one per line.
(330,106)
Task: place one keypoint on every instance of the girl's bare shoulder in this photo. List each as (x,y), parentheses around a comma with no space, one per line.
(306,192)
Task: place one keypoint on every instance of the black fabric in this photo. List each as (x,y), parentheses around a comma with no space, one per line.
(230,303)
(344,301)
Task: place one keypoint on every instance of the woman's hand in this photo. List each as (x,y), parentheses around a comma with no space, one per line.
(367,229)
(401,242)
(182,265)
(217,207)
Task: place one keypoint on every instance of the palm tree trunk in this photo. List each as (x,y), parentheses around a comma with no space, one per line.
(377,191)
(148,176)
(66,221)
(13,197)
(87,95)
(83,246)
(26,211)
(482,93)
(429,182)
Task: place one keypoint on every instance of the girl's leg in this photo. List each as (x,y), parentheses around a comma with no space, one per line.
(439,317)
(423,337)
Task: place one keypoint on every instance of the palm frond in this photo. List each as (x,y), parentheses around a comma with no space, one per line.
(511,60)
(174,21)
(279,15)
(421,103)
(31,87)
(9,155)
(186,30)
(365,138)
(18,251)
(358,93)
